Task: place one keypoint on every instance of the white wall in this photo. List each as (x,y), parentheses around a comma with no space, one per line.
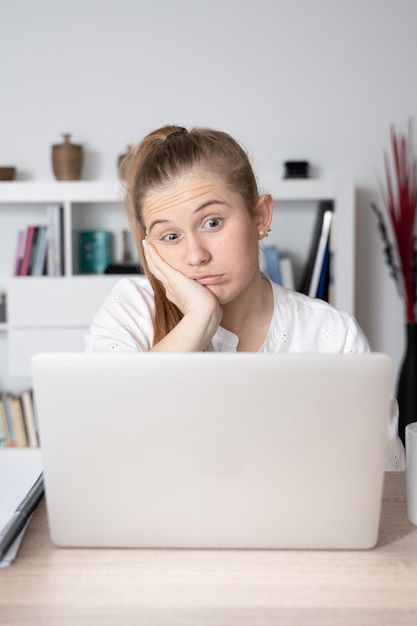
(312,79)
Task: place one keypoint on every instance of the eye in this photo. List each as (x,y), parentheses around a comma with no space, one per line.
(212,223)
(170,237)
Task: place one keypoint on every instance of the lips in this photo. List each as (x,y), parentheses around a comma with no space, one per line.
(210,279)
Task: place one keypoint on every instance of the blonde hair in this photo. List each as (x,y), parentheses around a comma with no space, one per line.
(164,155)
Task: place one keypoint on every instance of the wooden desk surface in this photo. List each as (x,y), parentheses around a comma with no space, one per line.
(48,585)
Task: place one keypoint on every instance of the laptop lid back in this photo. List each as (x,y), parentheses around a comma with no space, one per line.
(213,450)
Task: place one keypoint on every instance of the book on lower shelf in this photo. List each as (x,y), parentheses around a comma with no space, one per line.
(18,424)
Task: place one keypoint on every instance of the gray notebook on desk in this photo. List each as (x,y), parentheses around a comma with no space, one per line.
(213,450)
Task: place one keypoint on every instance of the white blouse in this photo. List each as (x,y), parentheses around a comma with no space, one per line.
(299,324)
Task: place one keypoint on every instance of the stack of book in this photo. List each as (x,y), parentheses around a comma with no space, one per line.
(317,276)
(18,423)
(317,279)
(278,268)
(40,248)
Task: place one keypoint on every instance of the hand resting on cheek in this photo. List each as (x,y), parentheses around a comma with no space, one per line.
(187,294)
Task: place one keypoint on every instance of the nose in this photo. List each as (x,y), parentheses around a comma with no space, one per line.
(197,252)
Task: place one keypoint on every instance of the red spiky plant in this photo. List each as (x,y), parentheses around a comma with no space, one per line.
(400,199)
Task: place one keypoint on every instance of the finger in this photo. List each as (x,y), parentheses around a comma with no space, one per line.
(152,258)
(170,277)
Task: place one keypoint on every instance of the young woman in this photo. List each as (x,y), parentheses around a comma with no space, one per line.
(197,217)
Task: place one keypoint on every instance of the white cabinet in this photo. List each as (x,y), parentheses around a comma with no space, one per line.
(53,313)
(50,314)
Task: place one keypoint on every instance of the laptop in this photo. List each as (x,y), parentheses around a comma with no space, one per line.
(213,450)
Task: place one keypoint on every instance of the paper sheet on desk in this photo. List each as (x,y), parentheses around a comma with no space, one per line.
(19,470)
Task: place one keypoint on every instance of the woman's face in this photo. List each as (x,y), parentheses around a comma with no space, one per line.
(203,229)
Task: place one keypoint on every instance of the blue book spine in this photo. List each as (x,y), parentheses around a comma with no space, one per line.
(273,264)
(323,286)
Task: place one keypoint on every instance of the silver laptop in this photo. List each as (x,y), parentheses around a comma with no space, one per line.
(213,450)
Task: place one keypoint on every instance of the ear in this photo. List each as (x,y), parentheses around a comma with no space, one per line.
(265,209)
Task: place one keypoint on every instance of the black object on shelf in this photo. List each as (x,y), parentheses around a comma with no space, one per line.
(123,268)
(296,169)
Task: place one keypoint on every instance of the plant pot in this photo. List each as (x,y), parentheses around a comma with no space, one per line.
(407,382)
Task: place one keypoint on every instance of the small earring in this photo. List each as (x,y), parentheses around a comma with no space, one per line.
(264,232)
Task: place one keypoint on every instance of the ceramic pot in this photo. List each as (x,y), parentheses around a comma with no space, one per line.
(407,383)
(67,160)
(7,173)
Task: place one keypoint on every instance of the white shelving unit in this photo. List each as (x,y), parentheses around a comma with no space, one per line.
(342,194)
(54,312)
(86,205)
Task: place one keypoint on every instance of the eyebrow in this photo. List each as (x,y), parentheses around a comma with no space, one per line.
(199,208)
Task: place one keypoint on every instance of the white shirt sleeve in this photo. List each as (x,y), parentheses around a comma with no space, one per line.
(123,323)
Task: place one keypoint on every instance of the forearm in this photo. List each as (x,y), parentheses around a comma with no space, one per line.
(191,334)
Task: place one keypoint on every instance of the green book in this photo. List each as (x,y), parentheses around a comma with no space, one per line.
(95,251)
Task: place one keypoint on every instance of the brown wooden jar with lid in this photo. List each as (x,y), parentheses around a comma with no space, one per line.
(67,159)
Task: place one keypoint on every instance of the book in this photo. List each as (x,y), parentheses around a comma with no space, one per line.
(311,277)
(323,286)
(95,251)
(39,260)
(321,253)
(28,251)
(17,418)
(9,420)
(55,236)
(20,250)
(29,418)
(287,273)
(4,435)
(331,295)
(32,250)
(272,263)
(278,268)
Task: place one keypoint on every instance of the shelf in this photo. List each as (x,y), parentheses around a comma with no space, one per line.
(94,191)
(301,189)
(71,191)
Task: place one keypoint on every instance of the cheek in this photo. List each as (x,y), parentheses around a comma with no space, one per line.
(170,254)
